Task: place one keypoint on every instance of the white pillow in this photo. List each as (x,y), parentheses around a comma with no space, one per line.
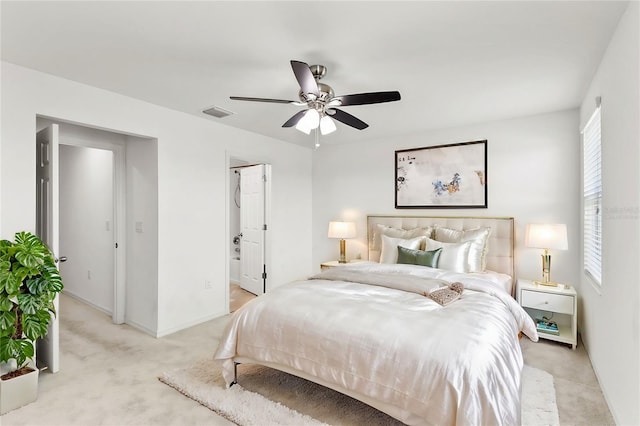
(478,238)
(453,257)
(390,245)
(381,230)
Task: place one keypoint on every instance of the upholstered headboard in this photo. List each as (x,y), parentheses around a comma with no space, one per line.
(500,242)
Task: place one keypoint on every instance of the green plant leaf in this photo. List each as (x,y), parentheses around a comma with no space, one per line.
(5,302)
(5,264)
(6,250)
(7,323)
(37,285)
(30,250)
(9,283)
(22,272)
(35,326)
(5,349)
(29,303)
(51,274)
(20,349)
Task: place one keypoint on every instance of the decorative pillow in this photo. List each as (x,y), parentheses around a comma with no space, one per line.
(419,257)
(381,230)
(478,249)
(446,295)
(390,245)
(454,256)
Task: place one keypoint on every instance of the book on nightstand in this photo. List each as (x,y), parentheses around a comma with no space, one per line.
(549,327)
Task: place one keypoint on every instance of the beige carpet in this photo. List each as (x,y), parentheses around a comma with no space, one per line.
(270,397)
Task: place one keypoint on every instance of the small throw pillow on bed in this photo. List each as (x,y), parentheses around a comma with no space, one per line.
(453,256)
(419,257)
(446,295)
(390,245)
(406,234)
(478,249)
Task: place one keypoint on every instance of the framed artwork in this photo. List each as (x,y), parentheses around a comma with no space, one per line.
(444,176)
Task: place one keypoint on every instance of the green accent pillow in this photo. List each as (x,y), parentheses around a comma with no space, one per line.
(419,257)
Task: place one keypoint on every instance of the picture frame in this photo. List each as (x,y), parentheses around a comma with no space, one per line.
(443,176)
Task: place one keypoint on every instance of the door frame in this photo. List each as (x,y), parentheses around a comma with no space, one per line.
(119,222)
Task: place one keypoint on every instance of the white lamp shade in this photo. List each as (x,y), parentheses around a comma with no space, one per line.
(303,127)
(342,230)
(547,236)
(309,121)
(327,125)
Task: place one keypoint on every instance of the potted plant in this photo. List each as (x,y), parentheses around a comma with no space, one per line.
(29,283)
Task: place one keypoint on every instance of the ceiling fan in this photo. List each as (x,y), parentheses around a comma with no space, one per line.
(322,103)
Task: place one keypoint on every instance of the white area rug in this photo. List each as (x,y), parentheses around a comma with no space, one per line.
(204,384)
(538,398)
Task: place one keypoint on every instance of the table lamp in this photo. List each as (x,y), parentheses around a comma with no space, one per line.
(547,237)
(342,230)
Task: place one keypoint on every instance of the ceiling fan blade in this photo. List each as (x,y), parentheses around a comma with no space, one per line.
(294,120)
(366,98)
(348,119)
(276,101)
(305,78)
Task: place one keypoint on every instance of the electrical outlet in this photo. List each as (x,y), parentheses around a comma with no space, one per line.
(208,284)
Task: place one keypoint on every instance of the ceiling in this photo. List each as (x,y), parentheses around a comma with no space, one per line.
(454,62)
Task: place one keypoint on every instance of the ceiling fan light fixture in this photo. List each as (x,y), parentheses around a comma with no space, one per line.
(327,125)
(310,121)
(313,118)
(303,128)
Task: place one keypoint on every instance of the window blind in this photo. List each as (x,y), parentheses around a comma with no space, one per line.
(592,197)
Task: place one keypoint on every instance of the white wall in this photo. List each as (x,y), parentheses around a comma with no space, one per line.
(141,306)
(609,316)
(86,224)
(193,187)
(533,175)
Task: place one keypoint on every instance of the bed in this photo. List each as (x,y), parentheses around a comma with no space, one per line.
(382,332)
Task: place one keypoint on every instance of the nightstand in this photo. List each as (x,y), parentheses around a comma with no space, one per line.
(559,304)
(334,263)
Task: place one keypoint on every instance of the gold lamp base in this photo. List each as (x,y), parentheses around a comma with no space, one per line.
(547,283)
(546,271)
(343,252)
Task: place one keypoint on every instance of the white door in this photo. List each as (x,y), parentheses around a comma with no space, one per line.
(47,229)
(253,226)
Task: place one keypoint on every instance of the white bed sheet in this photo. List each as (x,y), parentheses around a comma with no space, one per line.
(459,364)
(501,281)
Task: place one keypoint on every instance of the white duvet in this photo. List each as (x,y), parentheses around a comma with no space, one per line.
(424,363)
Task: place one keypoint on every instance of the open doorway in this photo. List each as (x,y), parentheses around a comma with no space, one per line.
(106,219)
(249,213)
(87,226)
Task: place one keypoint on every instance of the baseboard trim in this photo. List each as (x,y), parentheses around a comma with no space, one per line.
(189,324)
(140,327)
(83,300)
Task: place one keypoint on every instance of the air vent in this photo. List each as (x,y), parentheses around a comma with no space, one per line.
(217,112)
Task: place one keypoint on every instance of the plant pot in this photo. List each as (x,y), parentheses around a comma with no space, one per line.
(18,391)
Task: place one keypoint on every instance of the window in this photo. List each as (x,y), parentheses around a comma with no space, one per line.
(592,201)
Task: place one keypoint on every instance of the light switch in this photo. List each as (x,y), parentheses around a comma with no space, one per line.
(139,227)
